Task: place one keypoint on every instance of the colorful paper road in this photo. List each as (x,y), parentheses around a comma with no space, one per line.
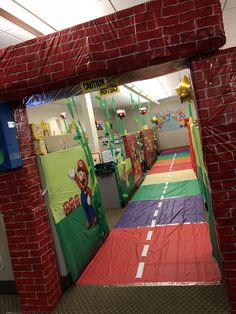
(162,237)
(175,189)
(175,150)
(168,161)
(168,211)
(175,176)
(165,168)
(178,155)
(174,254)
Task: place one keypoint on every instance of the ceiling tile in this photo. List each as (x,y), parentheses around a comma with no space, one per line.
(63,14)
(120,5)
(25,16)
(5,24)
(20,33)
(7,40)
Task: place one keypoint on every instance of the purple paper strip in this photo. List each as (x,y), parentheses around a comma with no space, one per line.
(173,210)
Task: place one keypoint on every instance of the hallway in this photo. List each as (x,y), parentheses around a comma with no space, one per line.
(157,259)
(162,237)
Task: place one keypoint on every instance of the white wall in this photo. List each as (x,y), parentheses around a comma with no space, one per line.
(169,139)
(51,113)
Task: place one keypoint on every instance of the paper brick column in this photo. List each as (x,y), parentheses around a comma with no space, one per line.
(214,79)
(28,230)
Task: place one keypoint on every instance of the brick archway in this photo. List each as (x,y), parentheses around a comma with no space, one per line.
(149,34)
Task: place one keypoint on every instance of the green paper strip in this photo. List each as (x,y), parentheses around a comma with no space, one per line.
(66,126)
(67,101)
(175,189)
(117,124)
(73,100)
(190,109)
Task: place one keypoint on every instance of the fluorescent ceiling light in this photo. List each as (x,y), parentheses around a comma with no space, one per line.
(126,92)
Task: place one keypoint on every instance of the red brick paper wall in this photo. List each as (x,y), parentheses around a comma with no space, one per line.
(144,35)
(215,87)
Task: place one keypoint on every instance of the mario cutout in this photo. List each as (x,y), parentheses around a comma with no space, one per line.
(81,177)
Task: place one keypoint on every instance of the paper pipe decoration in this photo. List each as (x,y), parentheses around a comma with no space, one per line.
(121,113)
(63,117)
(143,110)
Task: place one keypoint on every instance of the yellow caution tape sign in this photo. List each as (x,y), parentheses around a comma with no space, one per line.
(93,85)
(108,91)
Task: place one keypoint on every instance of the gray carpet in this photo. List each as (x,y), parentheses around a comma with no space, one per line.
(9,304)
(146,299)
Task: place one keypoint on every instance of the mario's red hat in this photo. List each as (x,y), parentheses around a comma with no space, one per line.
(82,166)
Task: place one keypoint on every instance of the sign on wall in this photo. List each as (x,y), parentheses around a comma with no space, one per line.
(93,85)
(108,91)
(171,120)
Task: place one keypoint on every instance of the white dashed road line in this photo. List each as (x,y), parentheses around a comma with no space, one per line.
(153,223)
(140,269)
(149,235)
(145,250)
(139,273)
(156,213)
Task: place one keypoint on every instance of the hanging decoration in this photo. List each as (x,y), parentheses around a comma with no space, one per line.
(117,123)
(154,120)
(63,117)
(143,110)
(184,90)
(121,114)
(136,120)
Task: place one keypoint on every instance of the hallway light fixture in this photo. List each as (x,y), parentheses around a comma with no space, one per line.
(131,87)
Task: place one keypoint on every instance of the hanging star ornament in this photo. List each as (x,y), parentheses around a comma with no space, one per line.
(184,89)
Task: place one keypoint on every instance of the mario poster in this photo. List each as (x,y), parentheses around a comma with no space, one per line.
(81,176)
(73,198)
